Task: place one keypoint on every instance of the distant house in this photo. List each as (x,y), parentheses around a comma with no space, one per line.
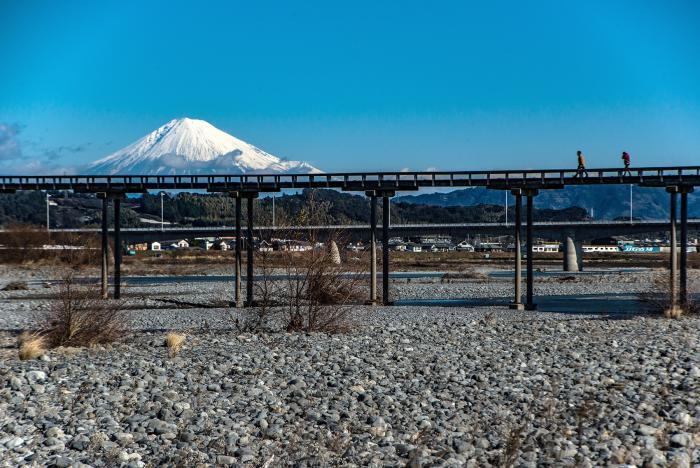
(265,246)
(298,246)
(355,247)
(600,248)
(413,247)
(545,248)
(465,246)
(155,246)
(489,247)
(220,245)
(182,244)
(439,247)
(397,246)
(431,239)
(138,247)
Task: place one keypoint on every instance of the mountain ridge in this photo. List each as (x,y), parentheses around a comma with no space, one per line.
(602,201)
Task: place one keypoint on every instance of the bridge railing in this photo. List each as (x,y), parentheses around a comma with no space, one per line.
(352,180)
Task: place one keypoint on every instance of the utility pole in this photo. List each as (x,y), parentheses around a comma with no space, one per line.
(631,204)
(162,223)
(273,210)
(47,211)
(506,192)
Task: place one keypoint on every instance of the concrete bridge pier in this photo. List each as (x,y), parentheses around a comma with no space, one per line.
(518,279)
(386,195)
(117,247)
(372,247)
(683,287)
(673,238)
(572,250)
(239,260)
(104,284)
(530,194)
(250,250)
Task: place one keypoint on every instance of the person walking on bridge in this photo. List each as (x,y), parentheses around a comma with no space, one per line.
(581,170)
(626,159)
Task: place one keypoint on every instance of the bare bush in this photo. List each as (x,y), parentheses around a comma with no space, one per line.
(81,317)
(24,243)
(657,299)
(16,286)
(317,292)
(466,274)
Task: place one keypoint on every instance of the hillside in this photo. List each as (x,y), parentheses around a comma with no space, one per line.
(74,210)
(607,201)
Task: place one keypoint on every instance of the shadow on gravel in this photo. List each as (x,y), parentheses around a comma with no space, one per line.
(615,305)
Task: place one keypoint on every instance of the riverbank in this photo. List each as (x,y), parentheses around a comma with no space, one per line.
(410,384)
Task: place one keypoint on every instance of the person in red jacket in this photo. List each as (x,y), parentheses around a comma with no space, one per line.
(626,159)
(581,159)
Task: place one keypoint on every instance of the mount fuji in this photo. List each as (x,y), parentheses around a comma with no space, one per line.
(190,146)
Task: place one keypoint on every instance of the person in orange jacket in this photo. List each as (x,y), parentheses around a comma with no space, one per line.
(626,159)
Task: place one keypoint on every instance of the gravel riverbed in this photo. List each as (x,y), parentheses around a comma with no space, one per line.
(410,385)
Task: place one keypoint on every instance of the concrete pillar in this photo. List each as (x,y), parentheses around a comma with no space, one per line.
(386,300)
(674,249)
(529,304)
(239,260)
(373,248)
(683,289)
(250,246)
(517,243)
(117,249)
(105,249)
(572,251)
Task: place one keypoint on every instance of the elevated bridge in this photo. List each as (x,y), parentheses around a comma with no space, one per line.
(582,230)
(521,183)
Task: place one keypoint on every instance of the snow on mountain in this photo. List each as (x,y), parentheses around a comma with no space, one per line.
(190,146)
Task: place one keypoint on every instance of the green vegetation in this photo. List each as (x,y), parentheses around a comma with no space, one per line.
(197,209)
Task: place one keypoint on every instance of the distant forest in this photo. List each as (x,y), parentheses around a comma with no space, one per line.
(196,209)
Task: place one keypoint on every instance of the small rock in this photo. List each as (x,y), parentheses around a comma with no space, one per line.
(36,376)
(225,460)
(681,439)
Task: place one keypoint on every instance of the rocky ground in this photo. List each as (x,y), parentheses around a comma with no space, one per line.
(410,385)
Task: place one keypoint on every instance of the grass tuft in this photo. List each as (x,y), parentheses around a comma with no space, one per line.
(174,342)
(31,346)
(16,286)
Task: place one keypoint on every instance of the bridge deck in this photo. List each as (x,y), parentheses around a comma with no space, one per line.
(358,181)
(660,224)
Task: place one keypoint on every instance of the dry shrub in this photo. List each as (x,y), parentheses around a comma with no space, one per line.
(25,243)
(81,317)
(657,299)
(466,274)
(174,342)
(16,286)
(327,285)
(316,293)
(31,345)
(22,243)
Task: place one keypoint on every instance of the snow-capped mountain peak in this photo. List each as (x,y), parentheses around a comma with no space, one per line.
(191,146)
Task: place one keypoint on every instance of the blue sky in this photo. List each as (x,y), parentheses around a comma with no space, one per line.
(357,85)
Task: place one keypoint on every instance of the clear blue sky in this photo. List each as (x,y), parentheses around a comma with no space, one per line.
(357,85)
